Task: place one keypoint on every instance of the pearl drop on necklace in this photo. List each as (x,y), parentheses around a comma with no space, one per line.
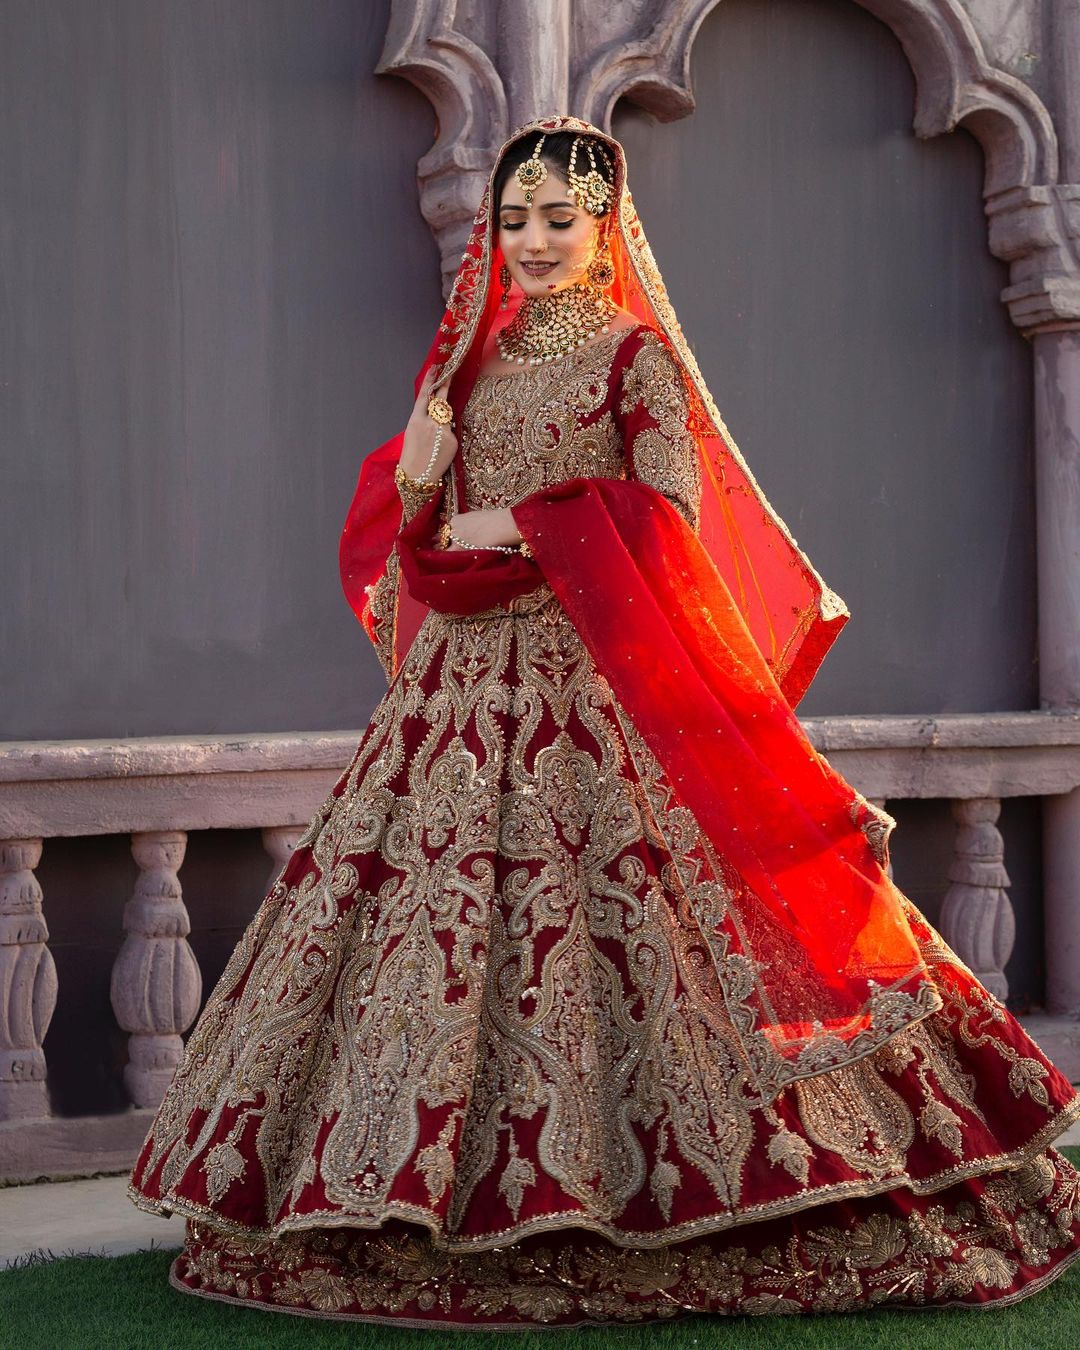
(547,327)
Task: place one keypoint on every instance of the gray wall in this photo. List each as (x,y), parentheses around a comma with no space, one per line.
(216,285)
(216,289)
(833,275)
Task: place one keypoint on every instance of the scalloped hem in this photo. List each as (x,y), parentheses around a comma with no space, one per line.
(573,1219)
(987,1243)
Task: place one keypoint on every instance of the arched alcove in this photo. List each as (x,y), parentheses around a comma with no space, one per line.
(832,271)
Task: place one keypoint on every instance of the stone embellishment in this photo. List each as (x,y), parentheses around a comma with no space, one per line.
(532,173)
(591,190)
(549,326)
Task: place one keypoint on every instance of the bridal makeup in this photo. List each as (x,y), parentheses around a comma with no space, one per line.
(546,243)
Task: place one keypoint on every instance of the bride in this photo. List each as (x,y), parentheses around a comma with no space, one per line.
(586,996)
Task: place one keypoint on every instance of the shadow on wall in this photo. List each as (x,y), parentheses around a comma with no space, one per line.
(220,288)
(834,277)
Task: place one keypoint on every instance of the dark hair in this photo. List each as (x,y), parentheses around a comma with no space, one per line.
(556,153)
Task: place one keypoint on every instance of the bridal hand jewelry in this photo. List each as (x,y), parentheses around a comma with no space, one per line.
(445,536)
(453,538)
(442,414)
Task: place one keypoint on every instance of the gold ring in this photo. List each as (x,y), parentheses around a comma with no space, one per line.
(440,411)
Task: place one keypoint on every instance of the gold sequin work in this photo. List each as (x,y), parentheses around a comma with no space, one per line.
(490,996)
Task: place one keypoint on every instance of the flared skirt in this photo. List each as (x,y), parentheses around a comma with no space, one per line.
(476,1060)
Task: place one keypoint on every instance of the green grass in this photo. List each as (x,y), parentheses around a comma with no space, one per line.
(125,1303)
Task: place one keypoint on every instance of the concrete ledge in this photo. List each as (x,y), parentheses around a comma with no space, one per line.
(956,755)
(71,1146)
(50,788)
(53,788)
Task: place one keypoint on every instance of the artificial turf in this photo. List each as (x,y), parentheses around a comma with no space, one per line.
(125,1303)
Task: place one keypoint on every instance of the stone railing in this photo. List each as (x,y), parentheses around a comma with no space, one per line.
(158,790)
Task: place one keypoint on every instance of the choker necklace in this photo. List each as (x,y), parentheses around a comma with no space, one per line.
(550,326)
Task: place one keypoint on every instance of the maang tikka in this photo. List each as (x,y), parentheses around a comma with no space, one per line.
(532,172)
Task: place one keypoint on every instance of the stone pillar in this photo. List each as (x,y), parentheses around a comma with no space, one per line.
(1057,423)
(1055,333)
(156,985)
(534,58)
(279,841)
(977,917)
(1057,494)
(27,984)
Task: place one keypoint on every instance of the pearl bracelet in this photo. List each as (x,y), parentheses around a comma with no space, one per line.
(448,537)
(423,478)
(493,548)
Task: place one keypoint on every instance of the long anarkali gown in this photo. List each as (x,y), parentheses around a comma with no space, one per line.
(472,1063)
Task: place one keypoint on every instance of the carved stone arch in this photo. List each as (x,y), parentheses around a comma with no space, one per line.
(552,56)
(650,67)
(1034,224)
(459,79)
(956,85)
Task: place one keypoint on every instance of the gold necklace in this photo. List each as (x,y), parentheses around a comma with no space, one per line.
(549,326)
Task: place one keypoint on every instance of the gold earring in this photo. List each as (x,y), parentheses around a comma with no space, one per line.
(505,281)
(601,271)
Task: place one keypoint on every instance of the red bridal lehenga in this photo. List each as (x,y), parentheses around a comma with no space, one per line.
(586,996)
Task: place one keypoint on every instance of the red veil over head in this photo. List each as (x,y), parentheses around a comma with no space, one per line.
(707,639)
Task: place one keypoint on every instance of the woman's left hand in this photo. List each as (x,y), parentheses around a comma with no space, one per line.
(483,528)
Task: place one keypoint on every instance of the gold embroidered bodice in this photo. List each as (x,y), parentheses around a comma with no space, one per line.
(525,431)
(573,418)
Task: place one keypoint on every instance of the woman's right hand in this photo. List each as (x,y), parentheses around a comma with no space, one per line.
(420,436)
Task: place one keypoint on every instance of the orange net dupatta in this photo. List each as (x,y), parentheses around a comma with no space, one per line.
(708,639)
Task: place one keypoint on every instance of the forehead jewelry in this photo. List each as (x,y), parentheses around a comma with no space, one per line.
(589,190)
(532,172)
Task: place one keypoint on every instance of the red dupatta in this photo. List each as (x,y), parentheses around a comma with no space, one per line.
(707,640)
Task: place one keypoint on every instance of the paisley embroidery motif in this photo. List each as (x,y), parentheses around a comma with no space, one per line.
(496,990)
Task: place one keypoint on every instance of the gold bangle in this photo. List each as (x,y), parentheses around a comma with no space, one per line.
(402,479)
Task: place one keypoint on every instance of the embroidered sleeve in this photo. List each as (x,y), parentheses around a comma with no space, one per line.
(413,496)
(381,617)
(654,412)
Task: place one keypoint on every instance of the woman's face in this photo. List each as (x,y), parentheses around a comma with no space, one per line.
(549,243)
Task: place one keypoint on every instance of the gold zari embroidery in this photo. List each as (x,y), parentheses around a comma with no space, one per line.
(980,1249)
(492,993)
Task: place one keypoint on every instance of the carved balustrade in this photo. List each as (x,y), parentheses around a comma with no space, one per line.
(156,791)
